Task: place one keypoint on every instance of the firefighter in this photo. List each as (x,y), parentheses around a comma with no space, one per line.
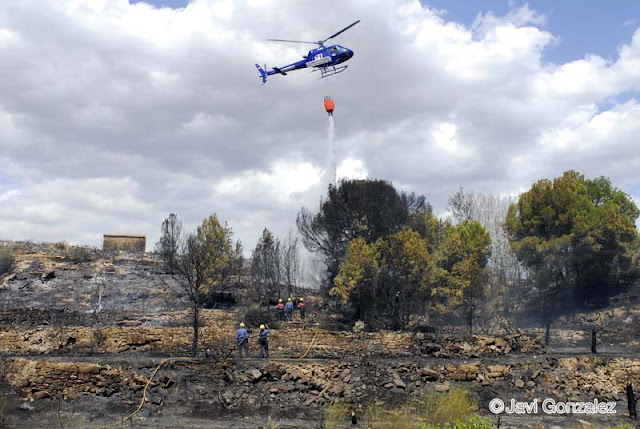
(302,307)
(289,308)
(263,340)
(280,308)
(242,337)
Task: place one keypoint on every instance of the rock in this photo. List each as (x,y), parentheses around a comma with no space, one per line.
(397,381)
(619,312)
(48,275)
(568,363)
(429,374)
(304,381)
(255,374)
(498,370)
(519,383)
(280,388)
(500,342)
(430,348)
(41,394)
(26,407)
(442,387)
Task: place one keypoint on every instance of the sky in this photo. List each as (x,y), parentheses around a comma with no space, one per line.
(114,114)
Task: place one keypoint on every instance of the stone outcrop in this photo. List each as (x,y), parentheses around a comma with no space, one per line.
(45,379)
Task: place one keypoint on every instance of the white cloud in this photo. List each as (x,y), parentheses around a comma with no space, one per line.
(350,168)
(284,179)
(114,115)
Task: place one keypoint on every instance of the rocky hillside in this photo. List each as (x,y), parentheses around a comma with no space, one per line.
(88,341)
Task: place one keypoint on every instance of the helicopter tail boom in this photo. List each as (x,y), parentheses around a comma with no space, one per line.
(279,70)
(263,74)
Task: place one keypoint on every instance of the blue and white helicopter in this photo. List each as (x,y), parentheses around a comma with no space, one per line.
(323,58)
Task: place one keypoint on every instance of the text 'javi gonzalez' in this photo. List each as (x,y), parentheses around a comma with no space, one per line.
(551,406)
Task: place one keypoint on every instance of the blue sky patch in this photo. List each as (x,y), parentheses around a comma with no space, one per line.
(175,4)
(583,26)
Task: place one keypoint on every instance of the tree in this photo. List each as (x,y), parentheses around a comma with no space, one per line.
(490,211)
(574,234)
(370,209)
(291,264)
(505,288)
(203,263)
(266,267)
(463,257)
(356,282)
(237,265)
(390,277)
(169,244)
(406,269)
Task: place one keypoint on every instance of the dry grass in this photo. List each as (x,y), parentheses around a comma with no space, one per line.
(454,409)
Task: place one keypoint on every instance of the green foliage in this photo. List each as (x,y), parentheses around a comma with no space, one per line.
(574,234)
(439,409)
(451,410)
(358,327)
(214,240)
(398,276)
(370,209)
(6,260)
(406,269)
(624,425)
(206,259)
(357,277)
(391,275)
(270,424)
(462,259)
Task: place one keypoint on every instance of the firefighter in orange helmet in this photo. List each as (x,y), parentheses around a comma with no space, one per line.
(302,307)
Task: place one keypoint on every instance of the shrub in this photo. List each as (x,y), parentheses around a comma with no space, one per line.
(449,407)
(451,410)
(6,261)
(79,255)
(270,424)
(256,315)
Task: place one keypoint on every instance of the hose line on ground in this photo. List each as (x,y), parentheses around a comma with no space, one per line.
(155,371)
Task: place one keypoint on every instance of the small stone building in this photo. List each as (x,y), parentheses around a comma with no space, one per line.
(127,243)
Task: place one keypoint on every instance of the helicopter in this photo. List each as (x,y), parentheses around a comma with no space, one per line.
(323,58)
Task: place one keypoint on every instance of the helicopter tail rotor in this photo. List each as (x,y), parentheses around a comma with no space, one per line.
(263,74)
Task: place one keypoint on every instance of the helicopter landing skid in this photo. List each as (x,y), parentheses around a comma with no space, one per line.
(330,71)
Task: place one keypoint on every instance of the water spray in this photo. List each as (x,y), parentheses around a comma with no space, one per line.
(329,106)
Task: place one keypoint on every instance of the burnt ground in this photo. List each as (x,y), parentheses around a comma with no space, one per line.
(45,290)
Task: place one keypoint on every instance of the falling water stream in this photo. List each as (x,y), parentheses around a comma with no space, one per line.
(332,170)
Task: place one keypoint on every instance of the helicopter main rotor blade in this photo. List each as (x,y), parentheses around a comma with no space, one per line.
(291,41)
(341,31)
